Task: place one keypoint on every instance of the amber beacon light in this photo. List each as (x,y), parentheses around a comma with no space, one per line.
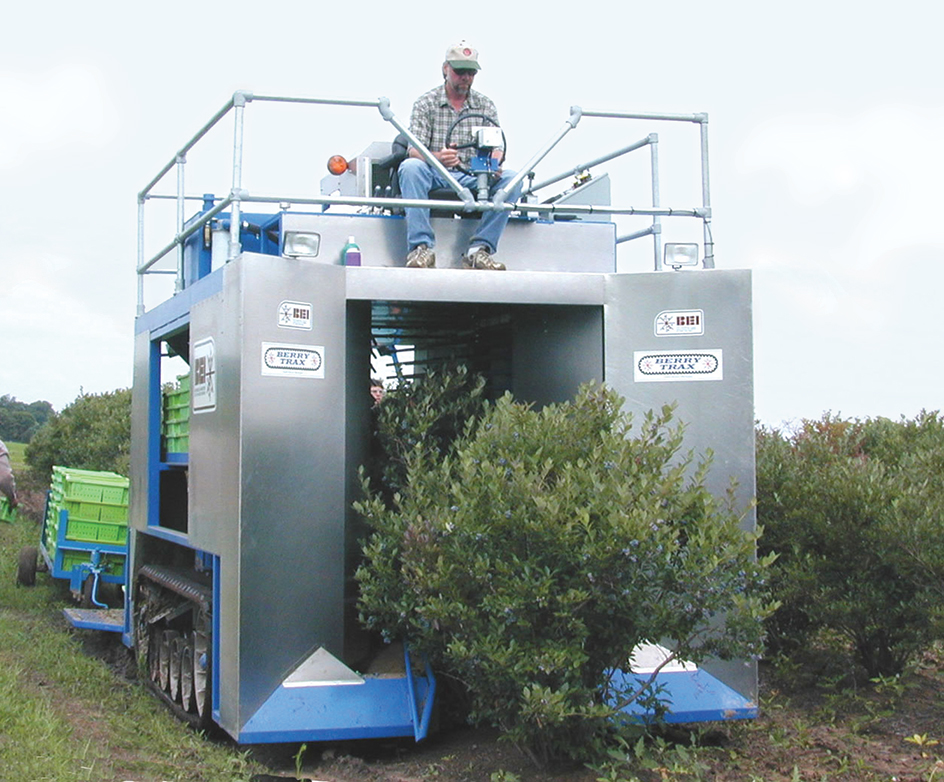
(337,165)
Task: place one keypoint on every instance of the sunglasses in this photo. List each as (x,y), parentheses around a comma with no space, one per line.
(463,71)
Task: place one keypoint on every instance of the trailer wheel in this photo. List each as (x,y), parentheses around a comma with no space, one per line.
(85,601)
(26,566)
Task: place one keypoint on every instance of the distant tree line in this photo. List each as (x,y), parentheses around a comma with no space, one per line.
(19,421)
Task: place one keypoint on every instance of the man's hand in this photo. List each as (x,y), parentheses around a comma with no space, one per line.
(498,155)
(448,156)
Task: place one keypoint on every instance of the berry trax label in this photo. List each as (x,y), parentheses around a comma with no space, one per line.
(651,366)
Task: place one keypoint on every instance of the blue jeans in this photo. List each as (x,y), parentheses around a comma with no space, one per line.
(417,178)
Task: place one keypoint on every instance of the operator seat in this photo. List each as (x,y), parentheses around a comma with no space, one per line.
(391,164)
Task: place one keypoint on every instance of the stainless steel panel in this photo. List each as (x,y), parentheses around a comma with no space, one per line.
(526,245)
(137,512)
(718,414)
(213,480)
(484,287)
(292,477)
(213,476)
(268,475)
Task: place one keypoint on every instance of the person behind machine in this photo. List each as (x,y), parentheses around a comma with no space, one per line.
(376,390)
(433,115)
(7,483)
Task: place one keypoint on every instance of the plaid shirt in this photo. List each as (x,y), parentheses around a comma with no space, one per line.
(433,115)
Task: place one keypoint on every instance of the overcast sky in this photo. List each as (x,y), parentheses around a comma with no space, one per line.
(826,128)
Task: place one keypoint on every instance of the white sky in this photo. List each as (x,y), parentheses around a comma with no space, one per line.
(826,128)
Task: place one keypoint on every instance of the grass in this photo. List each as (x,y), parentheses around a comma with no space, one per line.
(67,715)
(17,457)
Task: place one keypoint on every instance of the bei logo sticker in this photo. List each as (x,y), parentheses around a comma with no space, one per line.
(674,323)
(295,315)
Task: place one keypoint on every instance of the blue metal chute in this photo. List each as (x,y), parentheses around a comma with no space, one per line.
(687,692)
(348,706)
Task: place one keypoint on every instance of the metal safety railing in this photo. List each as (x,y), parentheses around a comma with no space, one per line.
(467,203)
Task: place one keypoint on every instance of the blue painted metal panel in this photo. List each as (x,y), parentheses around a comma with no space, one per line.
(174,314)
(378,708)
(94,619)
(691,696)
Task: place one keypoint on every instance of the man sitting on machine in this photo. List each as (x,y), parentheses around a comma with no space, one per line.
(434,121)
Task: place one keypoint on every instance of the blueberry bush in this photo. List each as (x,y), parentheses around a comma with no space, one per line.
(854,511)
(533,554)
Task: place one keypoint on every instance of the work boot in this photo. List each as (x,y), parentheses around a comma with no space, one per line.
(421,257)
(481,258)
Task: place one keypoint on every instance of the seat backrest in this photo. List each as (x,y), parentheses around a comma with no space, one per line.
(399,150)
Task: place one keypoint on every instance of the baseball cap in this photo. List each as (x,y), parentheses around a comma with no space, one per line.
(463,56)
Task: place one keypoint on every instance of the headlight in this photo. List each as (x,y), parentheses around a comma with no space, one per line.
(679,255)
(301,244)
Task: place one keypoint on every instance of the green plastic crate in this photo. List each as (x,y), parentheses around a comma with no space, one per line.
(88,485)
(177,413)
(6,512)
(179,444)
(175,424)
(60,473)
(113,514)
(97,532)
(83,511)
(95,511)
(115,495)
(172,429)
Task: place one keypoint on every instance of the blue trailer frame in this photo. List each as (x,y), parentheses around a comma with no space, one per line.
(95,567)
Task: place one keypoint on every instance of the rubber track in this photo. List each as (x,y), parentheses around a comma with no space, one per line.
(202,596)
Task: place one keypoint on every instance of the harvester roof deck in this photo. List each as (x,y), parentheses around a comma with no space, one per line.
(575,203)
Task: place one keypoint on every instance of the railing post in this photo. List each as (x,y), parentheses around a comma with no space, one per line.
(181,207)
(709,262)
(656,201)
(140,274)
(239,107)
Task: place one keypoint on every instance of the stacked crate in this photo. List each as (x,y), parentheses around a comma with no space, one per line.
(6,512)
(97,512)
(175,423)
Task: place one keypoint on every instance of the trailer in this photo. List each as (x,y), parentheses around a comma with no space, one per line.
(83,540)
(240,598)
